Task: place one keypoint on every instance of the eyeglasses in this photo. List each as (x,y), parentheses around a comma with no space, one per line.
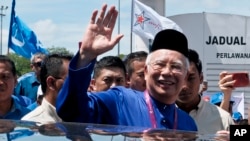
(37,64)
(173,67)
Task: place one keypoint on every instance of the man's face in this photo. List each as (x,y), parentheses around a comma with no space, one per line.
(137,80)
(165,74)
(191,88)
(63,75)
(7,81)
(36,66)
(108,78)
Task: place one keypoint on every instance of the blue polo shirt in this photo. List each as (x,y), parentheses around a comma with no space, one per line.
(27,86)
(117,106)
(17,111)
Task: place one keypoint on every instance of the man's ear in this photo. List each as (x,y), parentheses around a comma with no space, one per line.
(145,72)
(92,87)
(201,78)
(50,81)
(127,80)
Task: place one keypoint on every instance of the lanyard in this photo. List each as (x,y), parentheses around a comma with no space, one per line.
(151,112)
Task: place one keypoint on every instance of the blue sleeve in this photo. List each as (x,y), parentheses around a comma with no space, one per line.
(72,101)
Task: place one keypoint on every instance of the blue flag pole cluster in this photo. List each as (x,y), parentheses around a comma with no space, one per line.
(22,40)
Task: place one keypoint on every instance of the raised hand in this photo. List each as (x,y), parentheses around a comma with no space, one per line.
(226,82)
(226,85)
(98,36)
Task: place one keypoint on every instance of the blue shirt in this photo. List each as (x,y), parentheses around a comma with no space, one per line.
(17,111)
(23,100)
(27,86)
(33,106)
(118,106)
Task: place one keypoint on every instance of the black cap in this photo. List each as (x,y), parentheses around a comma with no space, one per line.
(170,39)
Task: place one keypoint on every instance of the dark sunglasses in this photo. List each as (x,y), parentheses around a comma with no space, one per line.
(37,64)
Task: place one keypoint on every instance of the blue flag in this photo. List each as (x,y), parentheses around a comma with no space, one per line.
(22,40)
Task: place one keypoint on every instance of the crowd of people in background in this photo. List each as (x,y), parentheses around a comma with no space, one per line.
(162,88)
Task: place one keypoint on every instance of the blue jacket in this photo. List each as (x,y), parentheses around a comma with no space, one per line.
(118,106)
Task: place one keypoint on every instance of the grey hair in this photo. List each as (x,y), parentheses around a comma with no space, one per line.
(37,55)
(187,64)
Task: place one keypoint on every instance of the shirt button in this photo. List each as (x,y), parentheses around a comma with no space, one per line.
(165,107)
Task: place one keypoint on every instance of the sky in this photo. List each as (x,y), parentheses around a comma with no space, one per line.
(61,23)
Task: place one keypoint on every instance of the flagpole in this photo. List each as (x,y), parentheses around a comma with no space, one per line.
(131,28)
(8,50)
(118,27)
(12,16)
(3,8)
(149,43)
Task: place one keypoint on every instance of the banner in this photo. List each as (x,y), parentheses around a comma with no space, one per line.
(22,40)
(147,22)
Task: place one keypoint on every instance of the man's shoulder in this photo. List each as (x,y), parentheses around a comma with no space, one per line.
(23,100)
(18,106)
(223,112)
(29,75)
(213,108)
(36,113)
(209,105)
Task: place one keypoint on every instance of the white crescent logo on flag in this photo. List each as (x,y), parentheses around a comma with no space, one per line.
(16,41)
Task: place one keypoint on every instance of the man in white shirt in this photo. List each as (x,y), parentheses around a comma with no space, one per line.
(208,117)
(53,73)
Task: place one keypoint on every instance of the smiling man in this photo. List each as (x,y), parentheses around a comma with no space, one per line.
(165,72)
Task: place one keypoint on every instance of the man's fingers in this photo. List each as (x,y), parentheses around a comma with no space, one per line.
(114,41)
(92,20)
(107,20)
(112,21)
(102,13)
(223,74)
(107,17)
